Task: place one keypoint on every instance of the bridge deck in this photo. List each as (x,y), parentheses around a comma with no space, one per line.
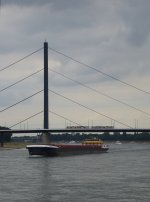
(76,130)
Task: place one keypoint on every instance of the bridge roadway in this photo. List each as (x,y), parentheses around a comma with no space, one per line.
(75,130)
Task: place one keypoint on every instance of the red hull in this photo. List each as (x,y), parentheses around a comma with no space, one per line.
(66,149)
(74,149)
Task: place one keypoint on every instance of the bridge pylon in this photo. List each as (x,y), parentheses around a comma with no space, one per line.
(46,111)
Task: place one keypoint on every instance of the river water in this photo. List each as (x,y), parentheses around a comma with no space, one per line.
(122,174)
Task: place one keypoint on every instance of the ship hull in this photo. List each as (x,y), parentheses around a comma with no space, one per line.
(65,149)
(42,150)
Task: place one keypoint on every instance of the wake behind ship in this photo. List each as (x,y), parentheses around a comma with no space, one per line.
(64,149)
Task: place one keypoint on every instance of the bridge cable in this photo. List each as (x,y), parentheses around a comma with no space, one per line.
(42,112)
(20,101)
(10,65)
(26,119)
(99,71)
(99,92)
(19,81)
(65,118)
(91,109)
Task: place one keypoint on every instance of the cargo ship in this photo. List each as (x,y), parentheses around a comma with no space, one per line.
(65,149)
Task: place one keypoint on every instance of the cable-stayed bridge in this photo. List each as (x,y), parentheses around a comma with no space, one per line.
(125,127)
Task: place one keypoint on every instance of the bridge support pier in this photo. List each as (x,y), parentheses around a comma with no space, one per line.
(45,139)
(2,139)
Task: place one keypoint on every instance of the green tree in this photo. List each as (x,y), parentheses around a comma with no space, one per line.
(5,137)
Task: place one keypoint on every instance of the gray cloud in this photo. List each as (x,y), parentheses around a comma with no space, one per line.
(56,4)
(24,2)
(112,36)
(136,15)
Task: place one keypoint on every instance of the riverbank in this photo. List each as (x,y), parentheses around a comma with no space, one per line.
(14,145)
(20,145)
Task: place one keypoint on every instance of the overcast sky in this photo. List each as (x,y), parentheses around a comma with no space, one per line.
(112,36)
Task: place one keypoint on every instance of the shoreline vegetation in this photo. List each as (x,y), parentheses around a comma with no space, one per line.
(21,145)
(19,142)
(14,145)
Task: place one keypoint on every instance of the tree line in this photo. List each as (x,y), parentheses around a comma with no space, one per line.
(77,137)
(106,136)
(5,137)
